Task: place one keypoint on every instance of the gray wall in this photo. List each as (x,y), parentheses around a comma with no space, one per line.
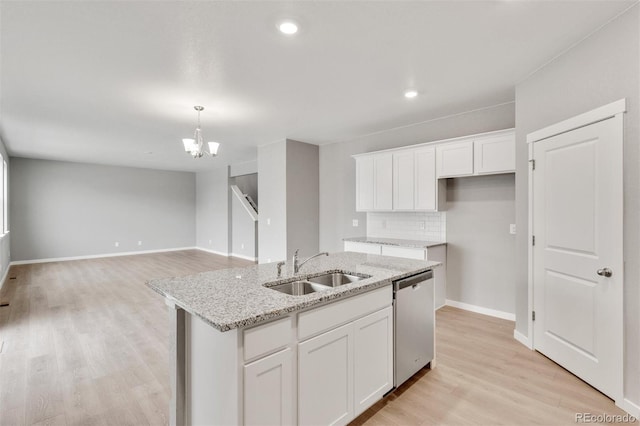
(337,168)
(62,209)
(288,187)
(601,69)
(212,210)
(244,231)
(272,187)
(302,198)
(479,212)
(248,184)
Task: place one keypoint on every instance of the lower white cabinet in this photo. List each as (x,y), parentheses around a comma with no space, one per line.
(344,371)
(373,355)
(268,390)
(325,378)
(406,252)
(362,247)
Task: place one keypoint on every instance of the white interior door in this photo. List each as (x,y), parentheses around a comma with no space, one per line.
(577,224)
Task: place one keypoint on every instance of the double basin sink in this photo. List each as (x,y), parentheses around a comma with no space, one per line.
(318,283)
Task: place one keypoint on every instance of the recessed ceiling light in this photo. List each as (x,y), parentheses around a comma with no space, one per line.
(410,94)
(288,27)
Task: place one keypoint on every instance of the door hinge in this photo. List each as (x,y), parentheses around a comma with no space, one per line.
(533,240)
(533,315)
(533,164)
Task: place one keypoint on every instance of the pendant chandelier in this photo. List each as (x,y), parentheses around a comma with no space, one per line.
(195,146)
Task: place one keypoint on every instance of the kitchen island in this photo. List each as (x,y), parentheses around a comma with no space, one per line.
(244,353)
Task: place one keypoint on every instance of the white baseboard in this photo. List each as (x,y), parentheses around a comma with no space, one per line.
(97,256)
(630,407)
(481,310)
(219,253)
(522,339)
(242,256)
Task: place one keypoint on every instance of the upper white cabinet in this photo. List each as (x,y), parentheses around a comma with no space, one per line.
(364,183)
(455,159)
(495,154)
(426,187)
(374,188)
(406,179)
(383,187)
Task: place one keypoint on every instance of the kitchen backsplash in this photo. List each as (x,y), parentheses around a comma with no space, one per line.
(408,225)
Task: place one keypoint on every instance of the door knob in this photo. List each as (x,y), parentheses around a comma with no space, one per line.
(604,272)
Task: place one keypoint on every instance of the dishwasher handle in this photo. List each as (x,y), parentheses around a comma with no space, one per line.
(412,280)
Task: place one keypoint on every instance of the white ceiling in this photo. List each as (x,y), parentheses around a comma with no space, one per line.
(107,82)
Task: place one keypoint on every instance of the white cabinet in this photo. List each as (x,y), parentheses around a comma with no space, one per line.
(496,154)
(455,159)
(325,378)
(374,182)
(364,183)
(268,390)
(373,355)
(362,247)
(383,182)
(348,369)
(404,180)
(406,252)
(426,188)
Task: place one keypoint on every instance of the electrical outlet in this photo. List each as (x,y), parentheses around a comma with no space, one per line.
(268,221)
(209,242)
(139,243)
(355,223)
(421,225)
(117,244)
(241,246)
(512,229)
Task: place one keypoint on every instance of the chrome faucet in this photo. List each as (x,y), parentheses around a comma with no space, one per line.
(297,266)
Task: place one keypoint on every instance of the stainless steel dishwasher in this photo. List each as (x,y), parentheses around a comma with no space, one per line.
(414,321)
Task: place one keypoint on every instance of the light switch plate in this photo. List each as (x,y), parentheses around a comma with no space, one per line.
(512,229)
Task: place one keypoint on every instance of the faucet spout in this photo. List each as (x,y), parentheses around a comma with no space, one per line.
(297,266)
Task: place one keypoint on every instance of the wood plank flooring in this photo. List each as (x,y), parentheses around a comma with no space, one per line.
(86,342)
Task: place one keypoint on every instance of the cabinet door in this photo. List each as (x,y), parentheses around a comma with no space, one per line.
(362,247)
(325,378)
(454,159)
(426,184)
(495,154)
(268,390)
(373,358)
(364,183)
(403,180)
(383,183)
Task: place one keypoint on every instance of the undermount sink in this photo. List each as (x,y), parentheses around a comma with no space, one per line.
(318,283)
(335,279)
(299,288)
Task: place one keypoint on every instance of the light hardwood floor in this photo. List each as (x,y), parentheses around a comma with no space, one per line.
(86,342)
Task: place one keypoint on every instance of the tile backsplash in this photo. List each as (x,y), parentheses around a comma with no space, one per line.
(408,225)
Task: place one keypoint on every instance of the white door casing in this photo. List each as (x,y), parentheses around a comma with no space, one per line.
(576,219)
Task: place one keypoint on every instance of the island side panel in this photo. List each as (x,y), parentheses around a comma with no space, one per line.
(213,374)
(177,365)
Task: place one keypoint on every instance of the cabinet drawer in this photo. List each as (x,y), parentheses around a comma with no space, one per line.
(407,252)
(267,338)
(316,321)
(362,247)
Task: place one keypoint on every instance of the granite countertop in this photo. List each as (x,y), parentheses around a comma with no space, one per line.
(232,298)
(395,242)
